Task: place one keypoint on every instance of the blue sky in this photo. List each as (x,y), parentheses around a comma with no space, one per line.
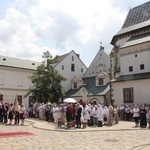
(30,27)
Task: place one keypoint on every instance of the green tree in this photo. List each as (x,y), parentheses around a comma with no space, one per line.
(46,81)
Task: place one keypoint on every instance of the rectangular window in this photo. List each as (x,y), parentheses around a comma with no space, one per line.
(130,68)
(81,69)
(1,97)
(62,67)
(128,95)
(72,58)
(72,67)
(142,67)
(19,99)
(100,81)
(75,85)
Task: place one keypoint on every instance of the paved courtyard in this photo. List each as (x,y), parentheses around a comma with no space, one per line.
(46,136)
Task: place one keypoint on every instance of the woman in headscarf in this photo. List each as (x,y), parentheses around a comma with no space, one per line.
(105,115)
(100,115)
(110,116)
(143,120)
(95,114)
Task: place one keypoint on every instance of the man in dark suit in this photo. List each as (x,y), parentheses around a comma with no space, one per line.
(5,112)
(2,112)
(78,115)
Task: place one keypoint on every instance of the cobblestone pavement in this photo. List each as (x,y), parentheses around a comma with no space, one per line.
(46,136)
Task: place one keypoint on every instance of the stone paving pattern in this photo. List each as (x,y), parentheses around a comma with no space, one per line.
(47,136)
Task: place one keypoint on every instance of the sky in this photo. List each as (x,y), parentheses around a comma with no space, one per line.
(28,28)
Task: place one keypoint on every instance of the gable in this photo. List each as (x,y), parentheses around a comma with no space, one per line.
(101,62)
(71,57)
(102,74)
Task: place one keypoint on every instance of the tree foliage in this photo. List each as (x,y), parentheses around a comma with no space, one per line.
(46,81)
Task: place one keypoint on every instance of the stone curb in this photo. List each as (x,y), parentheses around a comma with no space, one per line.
(79,130)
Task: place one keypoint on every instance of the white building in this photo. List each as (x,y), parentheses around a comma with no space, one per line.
(70,66)
(131,58)
(14,75)
(94,85)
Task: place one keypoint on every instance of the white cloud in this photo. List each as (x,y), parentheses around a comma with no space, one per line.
(30,27)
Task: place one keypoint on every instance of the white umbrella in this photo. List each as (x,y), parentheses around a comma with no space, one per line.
(70,100)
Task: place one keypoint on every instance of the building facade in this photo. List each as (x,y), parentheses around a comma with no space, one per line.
(14,79)
(130,69)
(94,85)
(14,73)
(70,65)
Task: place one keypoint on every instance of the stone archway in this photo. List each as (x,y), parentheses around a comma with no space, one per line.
(95,101)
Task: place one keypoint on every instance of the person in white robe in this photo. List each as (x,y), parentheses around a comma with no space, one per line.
(55,113)
(86,115)
(95,114)
(105,115)
(110,116)
(100,115)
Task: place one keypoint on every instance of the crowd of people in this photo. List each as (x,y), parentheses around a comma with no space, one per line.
(12,114)
(85,113)
(78,115)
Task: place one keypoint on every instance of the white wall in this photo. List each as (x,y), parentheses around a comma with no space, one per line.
(14,81)
(129,59)
(141,90)
(67,73)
